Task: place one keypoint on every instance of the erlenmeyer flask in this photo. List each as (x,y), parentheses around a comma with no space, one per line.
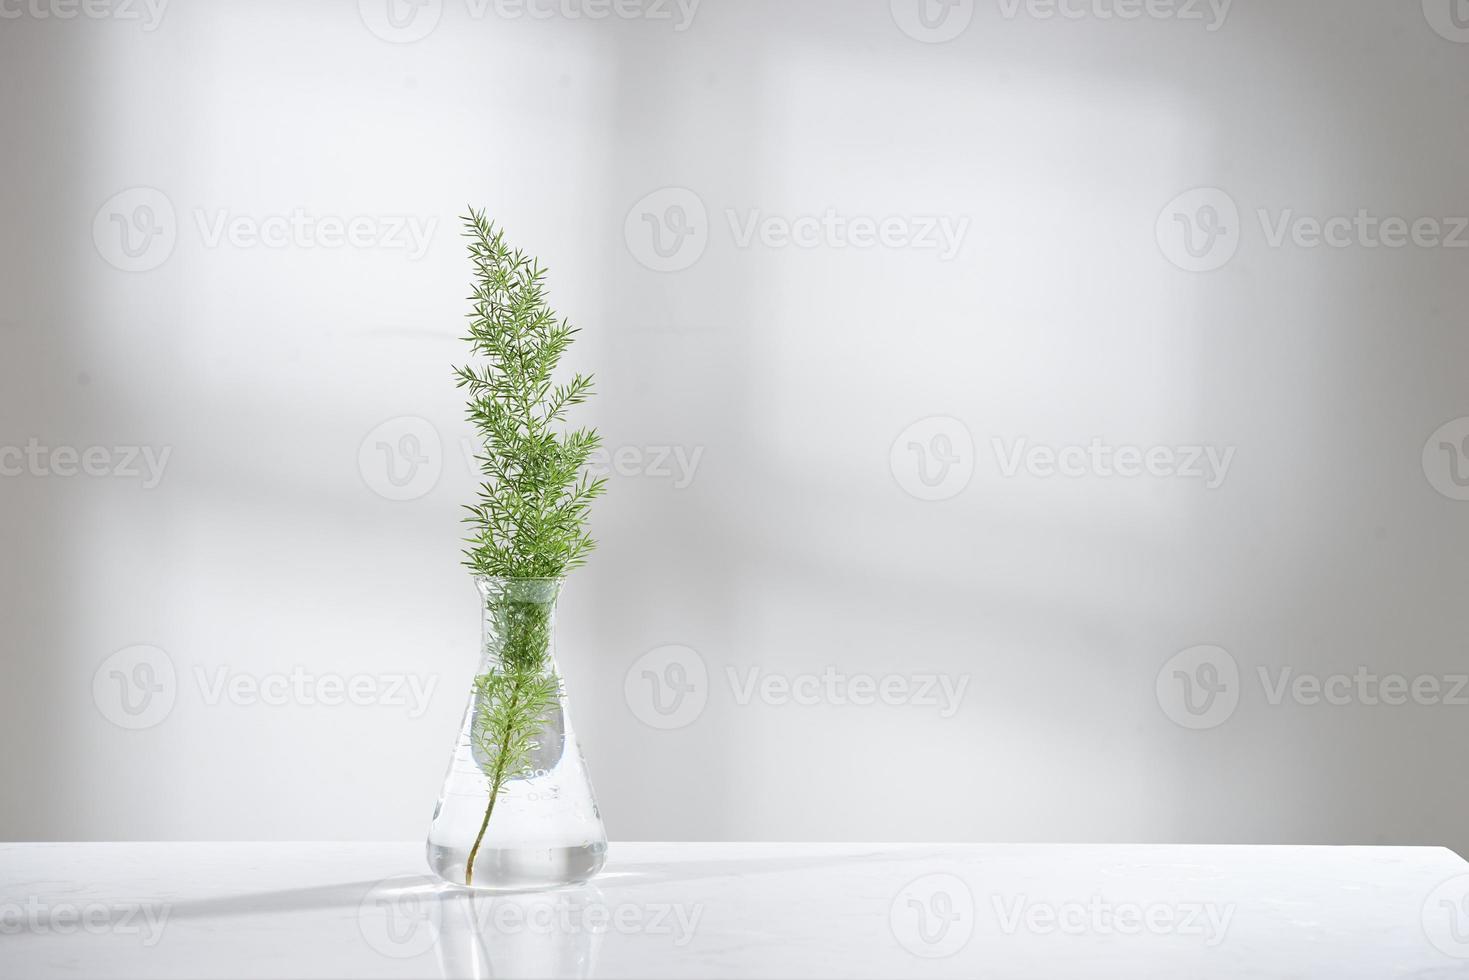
(517,810)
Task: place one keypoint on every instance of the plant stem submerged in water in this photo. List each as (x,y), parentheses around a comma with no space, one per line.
(484,824)
(512,704)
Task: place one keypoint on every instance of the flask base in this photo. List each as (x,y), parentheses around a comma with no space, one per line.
(517,869)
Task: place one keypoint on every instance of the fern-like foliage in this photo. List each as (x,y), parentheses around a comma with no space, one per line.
(511,707)
(530,521)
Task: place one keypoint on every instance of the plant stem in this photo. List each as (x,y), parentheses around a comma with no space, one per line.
(495,784)
(494,792)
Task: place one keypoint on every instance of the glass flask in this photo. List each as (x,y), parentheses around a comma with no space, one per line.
(516,812)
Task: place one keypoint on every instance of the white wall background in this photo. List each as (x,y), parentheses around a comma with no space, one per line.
(266,549)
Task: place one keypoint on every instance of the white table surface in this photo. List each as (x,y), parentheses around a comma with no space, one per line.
(740,910)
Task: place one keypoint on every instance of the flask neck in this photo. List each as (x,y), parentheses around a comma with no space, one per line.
(518,619)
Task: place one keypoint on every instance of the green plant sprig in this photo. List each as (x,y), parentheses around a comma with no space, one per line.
(530,521)
(534,502)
